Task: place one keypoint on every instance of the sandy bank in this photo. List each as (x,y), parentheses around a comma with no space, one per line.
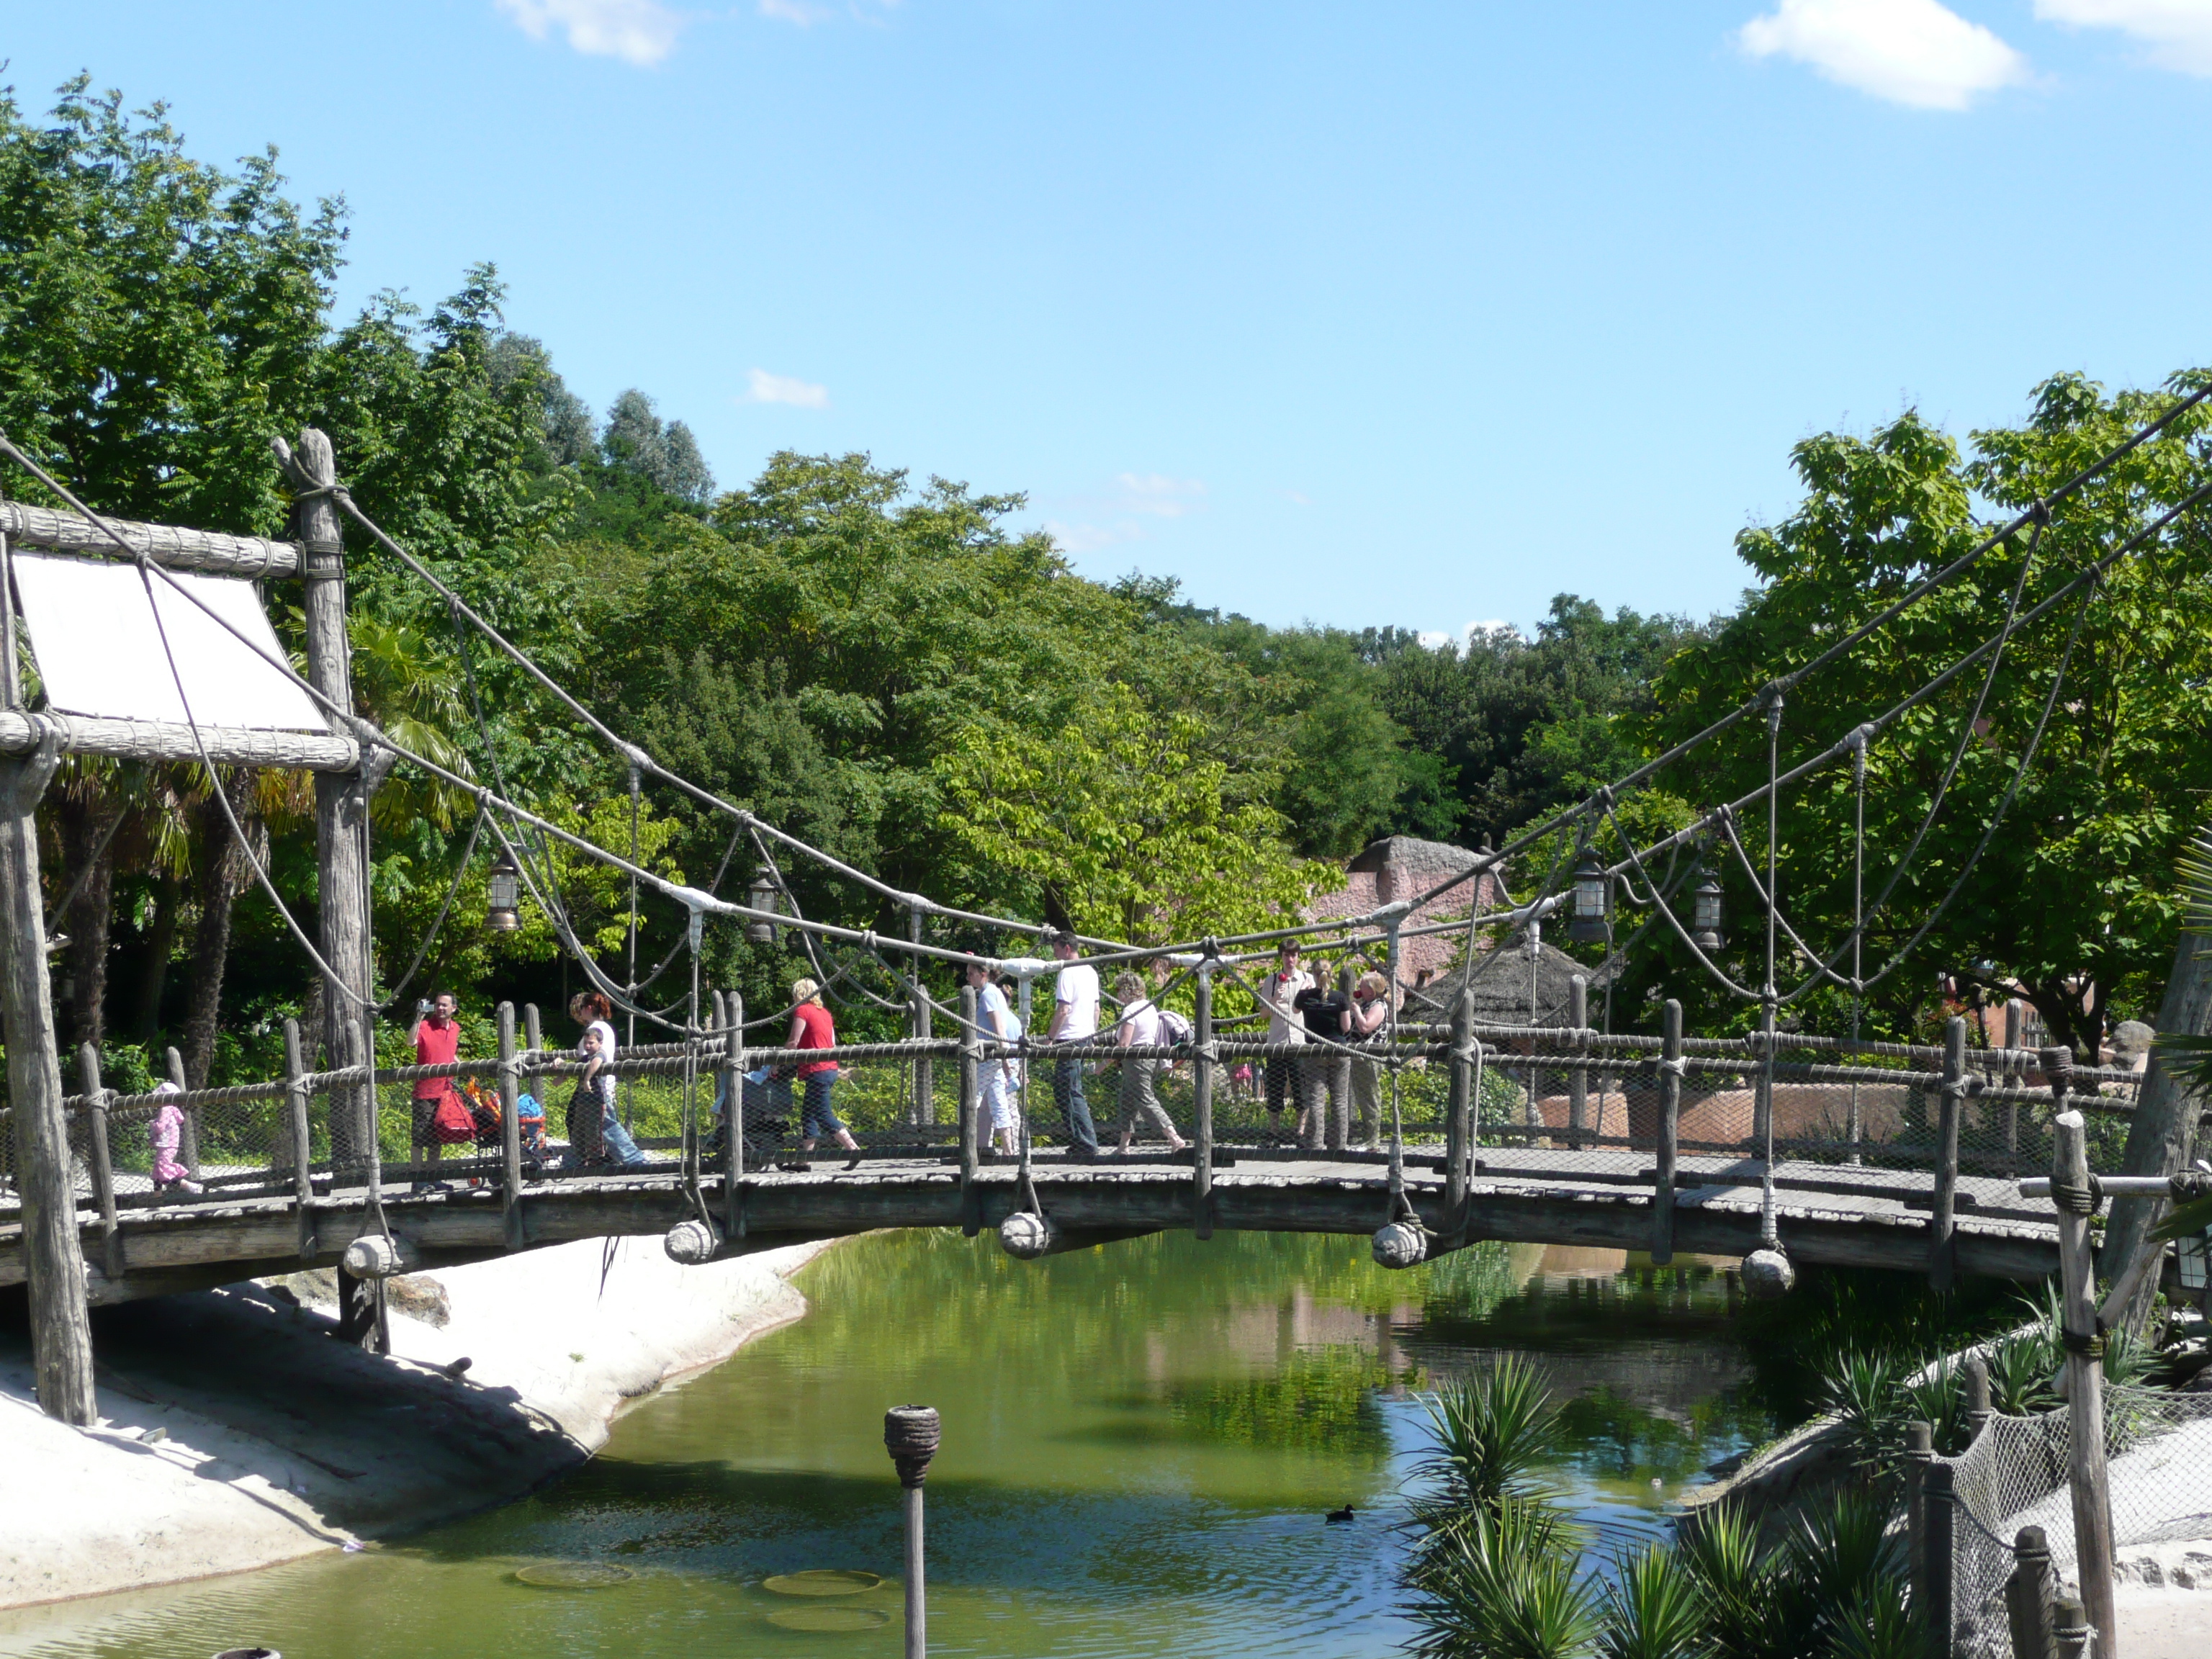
(237,1432)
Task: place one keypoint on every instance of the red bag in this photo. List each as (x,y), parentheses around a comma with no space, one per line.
(453,1123)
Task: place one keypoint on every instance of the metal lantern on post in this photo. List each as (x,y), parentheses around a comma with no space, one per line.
(501,909)
(765,895)
(1592,884)
(1706,912)
(2192,1260)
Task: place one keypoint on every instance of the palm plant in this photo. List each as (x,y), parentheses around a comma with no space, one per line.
(1863,1391)
(1502,1585)
(2021,1367)
(1652,1609)
(1489,1435)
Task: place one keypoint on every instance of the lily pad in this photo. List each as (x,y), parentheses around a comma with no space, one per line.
(826,1621)
(574,1575)
(822,1581)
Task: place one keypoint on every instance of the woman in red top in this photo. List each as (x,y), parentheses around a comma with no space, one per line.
(812,1028)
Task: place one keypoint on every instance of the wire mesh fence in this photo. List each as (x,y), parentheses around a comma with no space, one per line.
(2159,1447)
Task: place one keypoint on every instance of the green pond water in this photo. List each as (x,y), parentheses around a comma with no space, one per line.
(1140,1441)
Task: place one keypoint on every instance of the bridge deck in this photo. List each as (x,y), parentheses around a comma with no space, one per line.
(1828,1214)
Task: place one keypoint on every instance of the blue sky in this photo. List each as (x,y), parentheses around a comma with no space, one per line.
(1411,313)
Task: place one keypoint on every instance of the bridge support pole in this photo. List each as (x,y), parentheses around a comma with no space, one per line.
(292,1143)
(1670,1128)
(2085,1367)
(1578,1077)
(1201,1151)
(510,1131)
(911,1436)
(733,1123)
(925,1077)
(1943,1224)
(97,1155)
(971,1048)
(1459,1127)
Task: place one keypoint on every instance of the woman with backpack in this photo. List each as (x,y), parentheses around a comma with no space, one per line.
(1140,1029)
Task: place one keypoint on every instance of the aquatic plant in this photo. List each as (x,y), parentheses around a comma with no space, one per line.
(1489,1435)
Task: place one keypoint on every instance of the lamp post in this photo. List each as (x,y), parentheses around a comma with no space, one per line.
(910,1435)
(1591,883)
(505,898)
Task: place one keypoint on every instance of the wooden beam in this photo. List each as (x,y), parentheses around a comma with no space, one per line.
(166,544)
(163,740)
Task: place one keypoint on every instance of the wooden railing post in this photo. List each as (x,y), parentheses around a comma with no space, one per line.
(1978,1396)
(1939,1519)
(103,1168)
(2084,1347)
(510,1129)
(2070,1628)
(925,1075)
(1201,1152)
(2014,1077)
(1578,1075)
(188,1151)
(1459,1137)
(1942,1226)
(299,1144)
(733,1141)
(970,1070)
(1919,1453)
(2028,1595)
(1670,1124)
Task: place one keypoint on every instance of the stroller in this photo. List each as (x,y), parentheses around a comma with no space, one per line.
(767,1107)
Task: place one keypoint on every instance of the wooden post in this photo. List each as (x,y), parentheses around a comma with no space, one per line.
(2085,1369)
(925,1074)
(1578,1075)
(2027,1594)
(189,1150)
(510,1130)
(1201,1089)
(1943,1224)
(1459,1153)
(342,893)
(2011,1071)
(733,1142)
(970,1068)
(103,1167)
(1670,1124)
(1978,1396)
(1919,1448)
(61,1334)
(295,1101)
(1938,1518)
(2070,1630)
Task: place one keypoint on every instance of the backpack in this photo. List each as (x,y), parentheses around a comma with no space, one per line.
(1175,1029)
(453,1124)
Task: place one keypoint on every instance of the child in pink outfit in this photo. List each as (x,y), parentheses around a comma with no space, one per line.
(166,1134)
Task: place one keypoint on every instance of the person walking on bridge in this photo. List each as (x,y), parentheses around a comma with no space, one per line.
(593,1012)
(1140,1029)
(1279,996)
(1075,1019)
(437,1042)
(996,1022)
(812,1027)
(1371,1013)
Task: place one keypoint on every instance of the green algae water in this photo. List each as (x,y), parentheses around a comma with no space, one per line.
(1140,1443)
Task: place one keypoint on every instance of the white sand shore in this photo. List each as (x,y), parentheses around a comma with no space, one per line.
(273,1440)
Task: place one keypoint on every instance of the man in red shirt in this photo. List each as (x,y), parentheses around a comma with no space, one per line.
(437,1042)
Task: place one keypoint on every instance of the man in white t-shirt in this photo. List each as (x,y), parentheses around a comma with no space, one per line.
(1279,992)
(1075,1019)
(999,1084)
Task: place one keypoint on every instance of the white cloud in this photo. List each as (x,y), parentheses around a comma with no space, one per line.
(1080,538)
(762,387)
(640,31)
(1157,493)
(1298,498)
(796,11)
(2178,32)
(1434,638)
(1917,53)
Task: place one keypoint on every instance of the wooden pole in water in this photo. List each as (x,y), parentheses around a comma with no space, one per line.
(1201,1089)
(1670,1123)
(911,1435)
(2085,1367)
(510,1130)
(1943,1224)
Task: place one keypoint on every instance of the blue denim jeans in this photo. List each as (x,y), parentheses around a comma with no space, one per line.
(1074,1109)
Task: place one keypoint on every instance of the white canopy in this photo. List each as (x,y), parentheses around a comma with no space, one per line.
(100,653)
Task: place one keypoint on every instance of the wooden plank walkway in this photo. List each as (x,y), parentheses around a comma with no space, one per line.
(1829,1213)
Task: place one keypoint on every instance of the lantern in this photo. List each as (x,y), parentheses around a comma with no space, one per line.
(2192,1256)
(765,895)
(1706,912)
(1591,884)
(505,898)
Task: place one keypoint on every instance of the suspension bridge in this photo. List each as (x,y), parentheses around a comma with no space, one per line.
(1773,1146)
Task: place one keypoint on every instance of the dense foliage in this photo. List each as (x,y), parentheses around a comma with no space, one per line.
(894,671)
